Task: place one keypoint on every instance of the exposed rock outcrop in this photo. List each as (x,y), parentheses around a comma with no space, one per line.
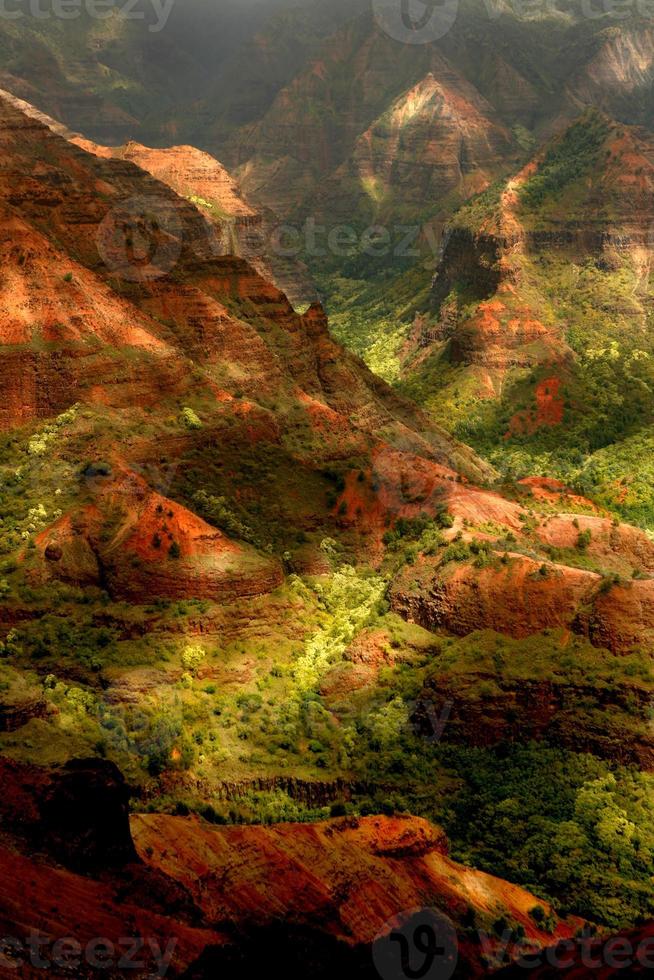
(520,595)
(137,544)
(439,141)
(533,710)
(196,892)
(513,598)
(17,713)
(245,231)
(350,875)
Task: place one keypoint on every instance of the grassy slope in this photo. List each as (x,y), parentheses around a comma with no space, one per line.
(601,306)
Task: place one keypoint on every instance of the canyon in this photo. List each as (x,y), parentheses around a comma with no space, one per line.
(290,654)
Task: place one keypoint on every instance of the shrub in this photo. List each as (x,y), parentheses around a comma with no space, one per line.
(584,539)
(457,551)
(218,511)
(189,419)
(192,659)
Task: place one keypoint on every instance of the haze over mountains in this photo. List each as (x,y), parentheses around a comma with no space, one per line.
(237,73)
(289,650)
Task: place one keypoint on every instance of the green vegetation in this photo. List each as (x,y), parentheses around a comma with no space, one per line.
(218,512)
(372,316)
(554,657)
(567,826)
(318,682)
(481,208)
(289,696)
(200,202)
(572,157)
(189,419)
(350,601)
(605,388)
(193,658)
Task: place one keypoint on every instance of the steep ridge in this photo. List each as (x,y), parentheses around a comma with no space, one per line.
(200,889)
(196,557)
(438,142)
(183,291)
(351,876)
(618,78)
(600,208)
(543,288)
(398,100)
(201,179)
(244,231)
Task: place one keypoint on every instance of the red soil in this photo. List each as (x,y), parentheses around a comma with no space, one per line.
(124,541)
(617,547)
(513,598)
(352,876)
(547,413)
(58,904)
(403,485)
(554,492)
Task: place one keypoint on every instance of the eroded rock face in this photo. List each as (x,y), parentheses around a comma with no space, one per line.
(514,598)
(501,251)
(519,596)
(19,712)
(137,544)
(622,617)
(192,321)
(245,231)
(56,903)
(440,139)
(622,66)
(533,710)
(332,886)
(350,875)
